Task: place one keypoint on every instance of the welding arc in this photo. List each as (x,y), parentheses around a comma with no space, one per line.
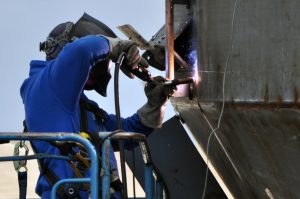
(213,130)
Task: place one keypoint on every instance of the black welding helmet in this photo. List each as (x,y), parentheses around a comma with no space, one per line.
(68,32)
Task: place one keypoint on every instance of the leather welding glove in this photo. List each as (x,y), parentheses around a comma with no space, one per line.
(152,113)
(132,60)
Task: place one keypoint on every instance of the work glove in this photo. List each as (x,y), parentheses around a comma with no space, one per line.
(132,61)
(152,113)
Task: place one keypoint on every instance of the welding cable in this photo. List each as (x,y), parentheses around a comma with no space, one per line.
(118,122)
(213,130)
(121,146)
(110,135)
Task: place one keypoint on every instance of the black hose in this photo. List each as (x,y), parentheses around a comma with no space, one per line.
(118,122)
(119,129)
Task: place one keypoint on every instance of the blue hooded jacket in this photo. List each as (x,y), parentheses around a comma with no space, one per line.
(51,97)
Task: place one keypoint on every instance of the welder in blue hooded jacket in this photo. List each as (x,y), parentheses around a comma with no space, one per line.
(52,93)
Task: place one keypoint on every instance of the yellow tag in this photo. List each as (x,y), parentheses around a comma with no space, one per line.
(85,135)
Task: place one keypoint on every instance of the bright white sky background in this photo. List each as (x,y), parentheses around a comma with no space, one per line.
(26,23)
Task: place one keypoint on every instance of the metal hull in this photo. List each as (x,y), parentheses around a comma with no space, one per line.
(248,90)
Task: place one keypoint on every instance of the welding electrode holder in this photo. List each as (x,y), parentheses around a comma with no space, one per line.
(145,75)
(187,80)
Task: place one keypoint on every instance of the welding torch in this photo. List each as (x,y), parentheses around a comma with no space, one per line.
(145,75)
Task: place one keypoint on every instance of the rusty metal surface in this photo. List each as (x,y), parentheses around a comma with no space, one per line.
(264,62)
(182,17)
(169,47)
(263,145)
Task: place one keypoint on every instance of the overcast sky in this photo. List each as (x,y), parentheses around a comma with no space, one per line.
(26,23)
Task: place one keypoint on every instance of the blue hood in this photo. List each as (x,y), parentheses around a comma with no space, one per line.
(36,66)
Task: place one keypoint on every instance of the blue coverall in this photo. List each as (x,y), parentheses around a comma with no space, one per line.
(51,96)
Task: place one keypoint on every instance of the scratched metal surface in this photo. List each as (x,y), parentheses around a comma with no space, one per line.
(264,64)
(263,145)
(260,127)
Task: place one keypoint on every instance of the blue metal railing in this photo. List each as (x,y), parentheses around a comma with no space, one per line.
(154,185)
(153,189)
(94,180)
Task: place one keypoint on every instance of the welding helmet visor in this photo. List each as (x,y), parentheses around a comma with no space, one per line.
(100,73)
(88,25)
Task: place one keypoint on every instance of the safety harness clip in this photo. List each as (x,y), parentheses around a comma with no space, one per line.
(18,164)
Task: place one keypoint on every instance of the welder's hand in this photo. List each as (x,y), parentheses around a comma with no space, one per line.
(156,92)
(132,60)
(152,113)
